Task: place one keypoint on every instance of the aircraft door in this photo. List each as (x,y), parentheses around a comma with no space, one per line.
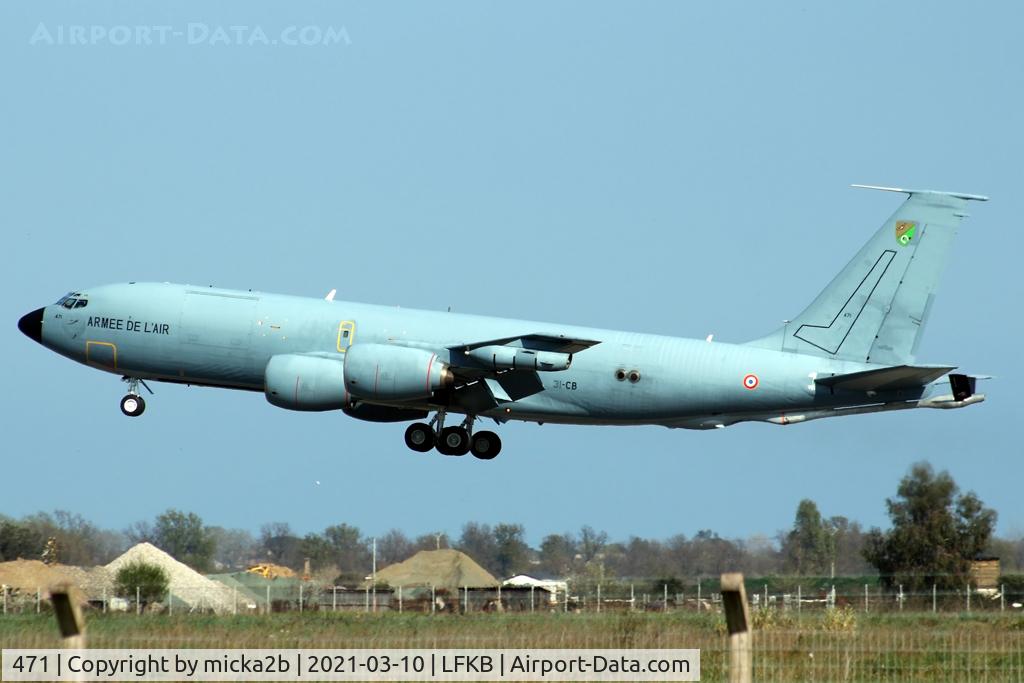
(346,335)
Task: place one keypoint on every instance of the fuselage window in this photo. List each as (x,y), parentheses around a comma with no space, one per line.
(70,303)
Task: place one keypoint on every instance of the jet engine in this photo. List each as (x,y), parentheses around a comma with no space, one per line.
(301,382)
(513,358)
(379,372)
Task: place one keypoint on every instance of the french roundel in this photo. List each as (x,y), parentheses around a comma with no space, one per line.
(751,381)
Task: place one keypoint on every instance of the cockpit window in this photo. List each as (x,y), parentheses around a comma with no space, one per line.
(72,300)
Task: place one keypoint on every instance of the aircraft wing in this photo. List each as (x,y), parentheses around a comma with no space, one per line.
(499,371)
(891,378)
(537,342)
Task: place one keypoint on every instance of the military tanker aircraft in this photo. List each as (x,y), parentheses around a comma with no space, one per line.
(851,351)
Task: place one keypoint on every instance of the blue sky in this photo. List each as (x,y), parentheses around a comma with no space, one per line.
(676,168)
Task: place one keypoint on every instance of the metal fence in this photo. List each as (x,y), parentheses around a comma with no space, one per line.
(308,596)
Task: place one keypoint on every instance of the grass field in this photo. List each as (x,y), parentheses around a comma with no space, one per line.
(842,646)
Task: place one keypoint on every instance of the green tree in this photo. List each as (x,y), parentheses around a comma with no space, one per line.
(434,541)
(848,546)
(318,549)
(935,533)
(183,536)
(392,547)
(557,552)
(279,545)
(511,552)
(808,546)
(150,580)
(19,540)
(641,557)
(591,544)
(78,541)
(233,548)
(477,541)
(708,554)
(351,550)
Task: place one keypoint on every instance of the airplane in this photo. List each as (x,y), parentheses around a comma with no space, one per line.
(851,351)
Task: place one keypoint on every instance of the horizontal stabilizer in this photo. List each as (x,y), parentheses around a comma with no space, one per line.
(958,195)
(884,379)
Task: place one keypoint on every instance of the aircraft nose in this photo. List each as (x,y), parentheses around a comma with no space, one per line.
(31,325)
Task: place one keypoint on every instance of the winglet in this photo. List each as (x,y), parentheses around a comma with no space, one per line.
(958,195)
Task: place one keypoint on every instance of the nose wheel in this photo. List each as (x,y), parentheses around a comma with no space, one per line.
(422,437)
(132,404)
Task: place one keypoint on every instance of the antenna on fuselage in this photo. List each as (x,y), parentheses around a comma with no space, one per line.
(330,295)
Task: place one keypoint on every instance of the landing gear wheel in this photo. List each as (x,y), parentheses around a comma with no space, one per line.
(453,441)
(419,437)
(132,405)
(485,445)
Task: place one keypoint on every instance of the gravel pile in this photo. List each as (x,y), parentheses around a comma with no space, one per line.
(186,584)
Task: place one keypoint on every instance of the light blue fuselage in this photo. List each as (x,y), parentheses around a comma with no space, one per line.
(225,338)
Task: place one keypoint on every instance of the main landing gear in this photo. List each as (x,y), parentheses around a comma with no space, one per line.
(133,404)
(459,440)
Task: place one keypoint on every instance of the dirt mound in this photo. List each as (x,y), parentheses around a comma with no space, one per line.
(27,575)
(439,568)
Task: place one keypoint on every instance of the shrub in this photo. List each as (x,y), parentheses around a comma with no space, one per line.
(150,580)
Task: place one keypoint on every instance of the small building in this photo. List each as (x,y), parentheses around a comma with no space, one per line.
(342,598)
(552,588)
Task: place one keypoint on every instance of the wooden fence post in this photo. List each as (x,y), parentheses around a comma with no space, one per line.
(69,616)
(737,619)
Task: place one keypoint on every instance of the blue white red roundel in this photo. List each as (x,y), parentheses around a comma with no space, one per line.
(751,381)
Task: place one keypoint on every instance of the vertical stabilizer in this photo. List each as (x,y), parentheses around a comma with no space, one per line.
(876,308)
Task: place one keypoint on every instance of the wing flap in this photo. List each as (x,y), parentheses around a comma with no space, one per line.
(883,379)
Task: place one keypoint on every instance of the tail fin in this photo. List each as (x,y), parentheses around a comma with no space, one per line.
(875,310)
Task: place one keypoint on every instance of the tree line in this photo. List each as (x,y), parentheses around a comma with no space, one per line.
(935,532)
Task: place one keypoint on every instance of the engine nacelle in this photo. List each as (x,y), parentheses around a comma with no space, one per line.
(305,382)
(393,373)
(514,358)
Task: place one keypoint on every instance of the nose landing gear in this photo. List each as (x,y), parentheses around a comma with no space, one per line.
(454,441)
(132,404)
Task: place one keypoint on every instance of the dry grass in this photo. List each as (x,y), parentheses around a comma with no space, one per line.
(842,646)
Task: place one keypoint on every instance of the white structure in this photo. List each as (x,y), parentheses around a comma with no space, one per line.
(554,588)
